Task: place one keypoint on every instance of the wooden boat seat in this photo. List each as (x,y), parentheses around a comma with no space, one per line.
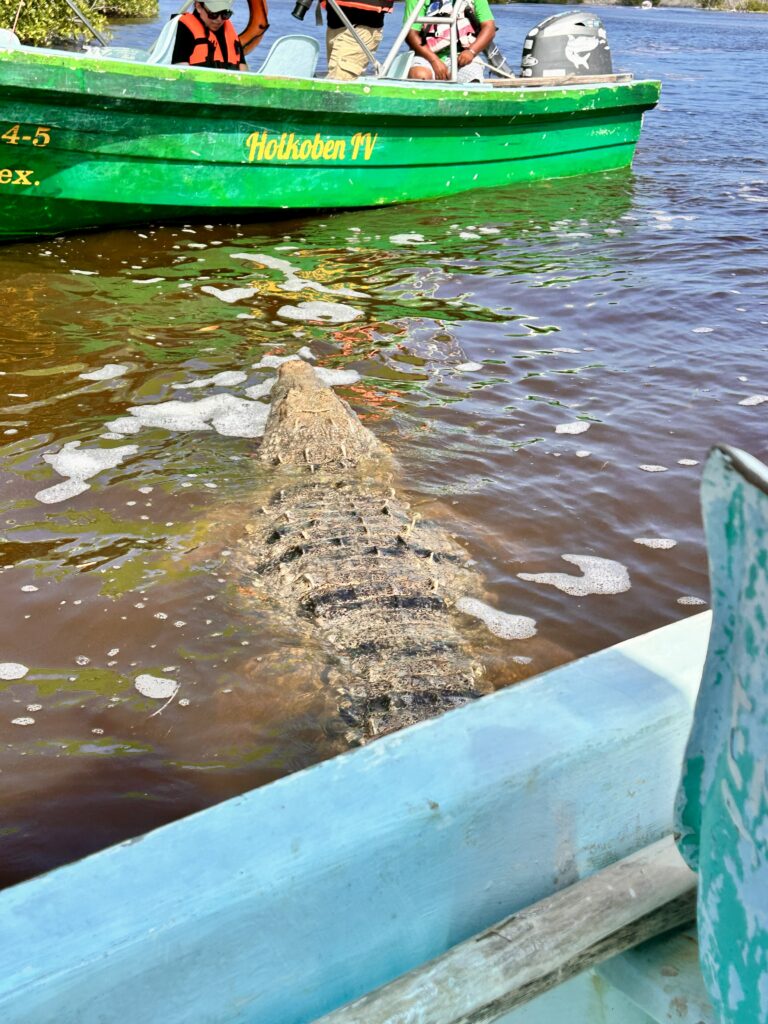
(118,53)
(293,56)
(492,973)
(549,81)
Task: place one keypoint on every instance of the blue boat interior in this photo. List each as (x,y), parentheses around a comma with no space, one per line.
(292,900)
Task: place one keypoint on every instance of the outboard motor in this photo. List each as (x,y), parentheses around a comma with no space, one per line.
(571,43)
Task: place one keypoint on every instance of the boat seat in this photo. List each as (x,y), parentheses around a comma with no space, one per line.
(292,56)
(9,40)
(401,65)
(161,52)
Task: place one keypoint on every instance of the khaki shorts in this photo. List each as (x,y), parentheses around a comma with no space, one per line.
(345,58)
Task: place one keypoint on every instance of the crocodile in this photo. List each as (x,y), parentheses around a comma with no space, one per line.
(337,547)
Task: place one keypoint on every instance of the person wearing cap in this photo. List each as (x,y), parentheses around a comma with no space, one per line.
(206,38)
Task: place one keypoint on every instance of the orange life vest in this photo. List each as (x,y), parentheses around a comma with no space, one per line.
(207,50)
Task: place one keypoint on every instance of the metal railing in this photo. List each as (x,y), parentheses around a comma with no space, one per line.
(381,68)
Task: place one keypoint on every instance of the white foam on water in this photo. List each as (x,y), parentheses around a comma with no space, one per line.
(79,465)
(703,330)
(108,372)
(246,419)
(22,721)
(661,543)
(579,427)
(12,670)
(63,491)
(600,576)
(336,378)
(156,687)
(226,414)
(468,367)
(407,239)
(690,600)
(503,624)
(754,400)
(652,469)
(260,390)
(293,281)
(225,379)
(687,462)
(30,588)
(582,453)
(121,427)
(327,312)
(229,294)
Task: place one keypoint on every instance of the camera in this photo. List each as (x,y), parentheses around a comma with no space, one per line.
(300,9)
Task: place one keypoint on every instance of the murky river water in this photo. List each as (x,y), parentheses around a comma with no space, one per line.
(550,365)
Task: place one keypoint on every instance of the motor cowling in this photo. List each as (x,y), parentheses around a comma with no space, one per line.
(570,43)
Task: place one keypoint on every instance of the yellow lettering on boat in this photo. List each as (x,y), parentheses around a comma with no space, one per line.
(255,143)
(14,136)
(15,176)
(286,147)
(363,142)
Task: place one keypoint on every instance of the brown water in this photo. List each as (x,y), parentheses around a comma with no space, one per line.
(632,304)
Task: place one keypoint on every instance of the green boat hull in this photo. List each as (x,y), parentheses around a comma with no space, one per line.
(87,143)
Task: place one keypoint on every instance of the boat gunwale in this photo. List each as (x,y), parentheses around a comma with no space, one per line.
(499,94)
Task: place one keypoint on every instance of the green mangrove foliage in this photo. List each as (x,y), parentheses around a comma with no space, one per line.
(42,23)
(129,8)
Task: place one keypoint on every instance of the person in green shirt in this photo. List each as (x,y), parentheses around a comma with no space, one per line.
(432,43)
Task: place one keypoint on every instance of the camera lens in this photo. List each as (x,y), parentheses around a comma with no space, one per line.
(300,9)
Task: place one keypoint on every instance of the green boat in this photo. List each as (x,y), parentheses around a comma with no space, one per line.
(117,137)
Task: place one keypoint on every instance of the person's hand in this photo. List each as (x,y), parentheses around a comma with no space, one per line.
(440,68)
(466,57)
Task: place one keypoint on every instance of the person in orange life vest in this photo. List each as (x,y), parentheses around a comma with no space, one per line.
(345,58)
(206,38)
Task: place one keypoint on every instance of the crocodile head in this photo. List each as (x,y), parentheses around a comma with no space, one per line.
(310,425)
